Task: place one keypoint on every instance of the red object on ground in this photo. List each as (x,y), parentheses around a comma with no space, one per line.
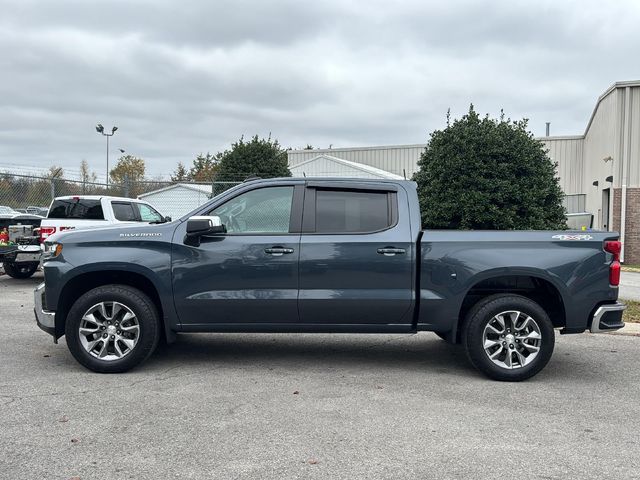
(4,236)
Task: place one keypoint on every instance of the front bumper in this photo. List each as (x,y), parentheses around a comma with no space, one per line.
(20,253)
(608,317)
(46,320)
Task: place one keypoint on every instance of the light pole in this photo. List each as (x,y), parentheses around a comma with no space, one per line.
(100,129)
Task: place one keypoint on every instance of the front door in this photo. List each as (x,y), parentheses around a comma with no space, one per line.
(356,256)
(250,274)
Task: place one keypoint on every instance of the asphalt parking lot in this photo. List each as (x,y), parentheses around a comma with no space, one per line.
(311,406)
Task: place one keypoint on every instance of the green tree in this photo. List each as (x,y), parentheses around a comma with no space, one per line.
(180,174)
(484,173)
(128,167)
(204,167)
(261,157)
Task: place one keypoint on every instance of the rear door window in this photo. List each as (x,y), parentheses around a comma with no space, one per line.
(344,211)
(76,209)
(124,212)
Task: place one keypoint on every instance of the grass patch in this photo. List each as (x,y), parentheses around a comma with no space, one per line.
(630,267)
(632,313)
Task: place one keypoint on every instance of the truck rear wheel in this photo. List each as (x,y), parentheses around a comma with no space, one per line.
(20,270)
(508,337)
(112,329)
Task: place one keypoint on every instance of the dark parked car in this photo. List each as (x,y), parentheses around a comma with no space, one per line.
(20,256)
(326,255)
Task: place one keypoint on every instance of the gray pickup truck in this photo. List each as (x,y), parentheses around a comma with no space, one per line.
(326,255)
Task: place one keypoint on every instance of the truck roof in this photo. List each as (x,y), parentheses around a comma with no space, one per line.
(97,197)
(332,179)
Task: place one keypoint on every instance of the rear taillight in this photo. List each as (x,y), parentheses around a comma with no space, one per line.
(614,247)
(614,274)
(45,232)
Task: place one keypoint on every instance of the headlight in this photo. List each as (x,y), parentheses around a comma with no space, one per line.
(52,250)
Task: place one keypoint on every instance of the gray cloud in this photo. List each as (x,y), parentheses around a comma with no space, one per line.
(179,78)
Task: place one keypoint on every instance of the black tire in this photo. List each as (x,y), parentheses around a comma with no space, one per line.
(138,303)
(20,270)
(473,336)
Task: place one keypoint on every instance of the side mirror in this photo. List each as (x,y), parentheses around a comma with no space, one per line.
(167,219)
(201,226)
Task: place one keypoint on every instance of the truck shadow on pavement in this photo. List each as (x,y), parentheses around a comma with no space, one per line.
(422,353)
(314,351)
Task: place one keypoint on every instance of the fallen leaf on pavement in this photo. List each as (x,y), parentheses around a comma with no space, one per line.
(64,419)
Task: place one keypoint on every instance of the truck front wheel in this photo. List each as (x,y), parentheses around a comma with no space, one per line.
(112,329)
(20,270)
(508,337)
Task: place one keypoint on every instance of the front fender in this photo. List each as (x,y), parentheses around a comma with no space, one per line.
(90,275)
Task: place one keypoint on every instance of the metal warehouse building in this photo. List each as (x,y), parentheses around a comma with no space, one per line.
(599,170)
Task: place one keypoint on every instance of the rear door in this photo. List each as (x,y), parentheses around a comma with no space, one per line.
(356,258)
(124,212)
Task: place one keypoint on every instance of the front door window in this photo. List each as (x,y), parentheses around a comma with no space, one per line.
(264,210)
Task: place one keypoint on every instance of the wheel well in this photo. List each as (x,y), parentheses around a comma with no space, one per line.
(81,284)
(541,291)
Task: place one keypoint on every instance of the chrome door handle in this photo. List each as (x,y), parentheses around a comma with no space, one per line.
(391,251)
(278,251)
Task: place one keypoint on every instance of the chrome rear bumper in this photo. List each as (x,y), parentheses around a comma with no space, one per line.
(608,318)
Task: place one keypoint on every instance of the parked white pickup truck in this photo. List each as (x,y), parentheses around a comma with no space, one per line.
(91,211)
(21,253)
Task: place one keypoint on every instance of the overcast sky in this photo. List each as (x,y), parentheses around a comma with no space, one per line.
(190,76)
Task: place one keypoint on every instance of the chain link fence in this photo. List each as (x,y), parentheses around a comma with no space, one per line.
(34,194)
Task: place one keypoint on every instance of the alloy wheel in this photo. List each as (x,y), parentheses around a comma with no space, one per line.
(109,331)
(512,339)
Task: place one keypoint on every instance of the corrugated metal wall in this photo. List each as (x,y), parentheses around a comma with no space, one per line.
(634,137)
(600,143)
(396,159)
(568,153)
(325,167)
(176,202)
(612,132)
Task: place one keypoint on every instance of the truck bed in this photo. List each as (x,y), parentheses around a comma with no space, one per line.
(569,266)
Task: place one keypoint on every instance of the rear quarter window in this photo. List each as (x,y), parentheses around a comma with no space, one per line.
(76,209)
